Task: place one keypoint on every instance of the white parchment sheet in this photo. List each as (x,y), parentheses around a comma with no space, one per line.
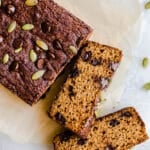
(116,23)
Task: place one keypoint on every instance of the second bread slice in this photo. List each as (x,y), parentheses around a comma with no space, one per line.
(74,107)
(117,131)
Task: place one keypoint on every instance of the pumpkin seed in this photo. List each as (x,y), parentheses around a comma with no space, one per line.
(73,49)
(42,45)
(145,62)
(31,2)
(27,27)
(38,74)
(33,55)
(12,26)
(18,50)
(147,86)
(5,59)
(147,5)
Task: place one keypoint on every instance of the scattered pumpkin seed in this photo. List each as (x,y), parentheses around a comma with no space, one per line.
(145,62)
(147,5)
(38,74)
(31,2)
(18,50)
(12,26)
(42,44)
(27,27)
(147,86)
(5,59)
(33,55)
(73,49)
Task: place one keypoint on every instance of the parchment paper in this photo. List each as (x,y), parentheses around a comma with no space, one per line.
(116,23)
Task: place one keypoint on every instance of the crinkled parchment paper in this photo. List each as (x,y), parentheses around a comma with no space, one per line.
(116,23)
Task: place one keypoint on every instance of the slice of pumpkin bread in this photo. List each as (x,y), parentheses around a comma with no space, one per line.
(92,72)
(118,131)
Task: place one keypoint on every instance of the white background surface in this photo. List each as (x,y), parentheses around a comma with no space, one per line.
(133,94)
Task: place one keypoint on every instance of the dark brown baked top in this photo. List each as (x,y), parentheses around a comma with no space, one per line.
(117,131)
(91,73)
(36,43)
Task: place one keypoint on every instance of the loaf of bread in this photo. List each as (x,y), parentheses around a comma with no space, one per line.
(36,42)
(92,72)
(118,131)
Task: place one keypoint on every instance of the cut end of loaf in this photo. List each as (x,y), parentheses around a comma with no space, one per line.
(92,72)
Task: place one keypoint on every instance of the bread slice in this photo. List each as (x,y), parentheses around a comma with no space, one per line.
(92,72)
(118,131)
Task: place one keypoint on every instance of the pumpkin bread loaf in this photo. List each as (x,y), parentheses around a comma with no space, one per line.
(37,40)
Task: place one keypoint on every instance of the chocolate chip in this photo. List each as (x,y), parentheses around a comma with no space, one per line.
(95,62)
(74,72)
(1,39)
(59,117)
(65,136)
(71,92)
(50,55)
(57,44)
(104,82)
(5,34)
(70,88)
(10,9)
(113,66)
(45,27)
(101,50)
(109,147)
(86,56)
(17,43)
(14,66)
(95,128)
(126,114)
(40,63)
(114,122)
(48,75)
(81,141)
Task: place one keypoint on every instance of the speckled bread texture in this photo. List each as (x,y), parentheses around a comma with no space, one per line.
(118,131)
(51,24)
(92,72)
